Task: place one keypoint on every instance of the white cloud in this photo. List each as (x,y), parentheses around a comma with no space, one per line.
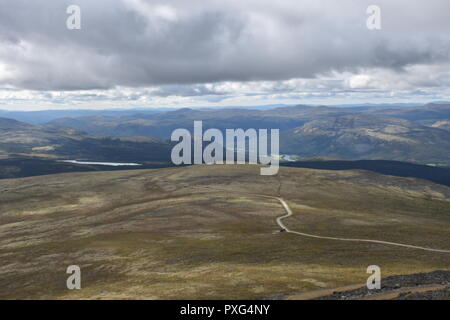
(152,52)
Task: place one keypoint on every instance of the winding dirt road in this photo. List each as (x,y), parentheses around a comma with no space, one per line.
(289,213)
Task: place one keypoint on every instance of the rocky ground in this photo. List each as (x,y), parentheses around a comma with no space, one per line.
(403,287)
(443,294)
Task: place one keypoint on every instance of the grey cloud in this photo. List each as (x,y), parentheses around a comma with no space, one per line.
(178,43)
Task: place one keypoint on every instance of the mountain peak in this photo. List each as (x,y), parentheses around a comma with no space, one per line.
(7,123)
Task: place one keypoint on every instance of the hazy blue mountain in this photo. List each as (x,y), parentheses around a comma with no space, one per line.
(44,116)
(368,137)
(415,133)
(21,139)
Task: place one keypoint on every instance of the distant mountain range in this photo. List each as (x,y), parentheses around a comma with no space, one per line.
(18,139)
(418,134)
(42,117)
(366,136)
(161,124)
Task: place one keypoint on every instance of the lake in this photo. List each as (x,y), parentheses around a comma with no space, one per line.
(112,164)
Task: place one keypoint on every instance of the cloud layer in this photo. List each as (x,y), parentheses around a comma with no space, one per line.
(223,49)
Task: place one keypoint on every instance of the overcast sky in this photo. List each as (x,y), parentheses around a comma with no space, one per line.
(139,53)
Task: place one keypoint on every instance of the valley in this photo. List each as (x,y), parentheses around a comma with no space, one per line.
(220,153)
(208,232)
(415,134)
(140,227)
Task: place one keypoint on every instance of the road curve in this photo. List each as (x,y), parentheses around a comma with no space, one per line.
(289,213)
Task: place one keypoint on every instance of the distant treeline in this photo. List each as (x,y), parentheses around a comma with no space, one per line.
(439,175)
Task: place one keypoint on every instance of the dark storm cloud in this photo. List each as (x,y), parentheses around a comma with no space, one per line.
(141,43)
